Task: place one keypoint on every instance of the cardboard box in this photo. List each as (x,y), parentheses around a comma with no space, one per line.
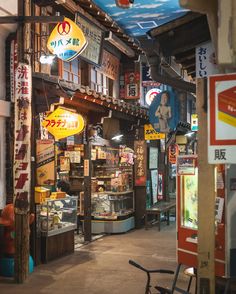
(41,193)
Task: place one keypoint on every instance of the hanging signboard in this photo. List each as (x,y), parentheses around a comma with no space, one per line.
(186,165)
(94,37)
(151,134)
(63,123)
(173,152)
(205,60)
(222,119)
(67,40)
(45,162)
(132,85)
(22,137)
(194,122)
(164,112)
(110,65)
(140,163)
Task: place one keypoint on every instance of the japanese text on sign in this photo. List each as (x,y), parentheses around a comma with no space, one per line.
(22,154)
(140,163)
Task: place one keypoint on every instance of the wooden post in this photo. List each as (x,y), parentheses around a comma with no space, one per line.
(206,201)
(87,190)
(22,212)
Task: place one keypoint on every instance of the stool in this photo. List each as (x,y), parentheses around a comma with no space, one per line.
(191,273)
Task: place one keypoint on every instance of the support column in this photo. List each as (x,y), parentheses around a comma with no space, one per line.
(206,200)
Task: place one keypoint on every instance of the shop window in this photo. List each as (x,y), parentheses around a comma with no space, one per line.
(70,71)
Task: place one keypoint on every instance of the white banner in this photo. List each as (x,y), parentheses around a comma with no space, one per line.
(22,137)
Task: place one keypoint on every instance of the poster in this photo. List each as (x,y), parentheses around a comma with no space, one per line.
(64,163)
(164,112)
(140,170)
(154,177)
(153,157)
(186,165)
(45,162)
(160,187)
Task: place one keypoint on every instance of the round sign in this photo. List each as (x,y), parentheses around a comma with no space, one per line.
(151,94)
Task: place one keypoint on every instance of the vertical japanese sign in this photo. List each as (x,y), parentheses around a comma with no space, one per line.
(22,138)
(205,60)
(222,119)
(132,85)
(160,186)
(140,164)
(13,65)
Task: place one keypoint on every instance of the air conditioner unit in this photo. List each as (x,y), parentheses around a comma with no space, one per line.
(115,41)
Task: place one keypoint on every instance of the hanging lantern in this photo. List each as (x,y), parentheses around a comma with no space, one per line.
(124,3)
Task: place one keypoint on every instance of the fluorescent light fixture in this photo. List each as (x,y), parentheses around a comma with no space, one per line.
(189,134)
(117,137)
(47,59)
(115,41)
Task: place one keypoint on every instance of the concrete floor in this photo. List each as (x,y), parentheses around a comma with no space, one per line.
(102,267)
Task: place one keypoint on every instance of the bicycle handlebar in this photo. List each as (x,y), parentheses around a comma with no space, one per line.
(162,271)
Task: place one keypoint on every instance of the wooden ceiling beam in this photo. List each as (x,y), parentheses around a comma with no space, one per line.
(210,8)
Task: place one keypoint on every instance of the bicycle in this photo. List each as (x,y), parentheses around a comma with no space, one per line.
(148,287)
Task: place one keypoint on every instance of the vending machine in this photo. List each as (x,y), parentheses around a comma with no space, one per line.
(187,216)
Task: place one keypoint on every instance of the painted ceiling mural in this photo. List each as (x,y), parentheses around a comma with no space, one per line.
(144,15)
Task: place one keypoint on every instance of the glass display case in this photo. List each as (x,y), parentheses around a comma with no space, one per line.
(58,216)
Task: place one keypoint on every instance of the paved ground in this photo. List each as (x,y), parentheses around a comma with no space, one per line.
(102,266)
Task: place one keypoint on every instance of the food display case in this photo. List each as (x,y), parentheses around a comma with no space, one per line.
(187,216)
(57,222)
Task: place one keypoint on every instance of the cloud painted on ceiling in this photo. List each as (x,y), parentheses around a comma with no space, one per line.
(144,15)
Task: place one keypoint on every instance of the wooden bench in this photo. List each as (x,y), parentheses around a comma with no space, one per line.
(157,210)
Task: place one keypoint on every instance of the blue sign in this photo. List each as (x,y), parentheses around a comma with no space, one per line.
(164,112)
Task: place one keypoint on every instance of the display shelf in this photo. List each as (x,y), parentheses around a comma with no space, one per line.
(64,229)
(113,193)
(112,227)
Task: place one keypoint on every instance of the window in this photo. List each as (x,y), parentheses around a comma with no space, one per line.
(100,82)
(70,71)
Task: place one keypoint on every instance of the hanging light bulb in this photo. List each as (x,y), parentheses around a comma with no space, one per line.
(124,3)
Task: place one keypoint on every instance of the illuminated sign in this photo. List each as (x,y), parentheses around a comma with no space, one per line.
(63,123)
(67,40)
(151,94)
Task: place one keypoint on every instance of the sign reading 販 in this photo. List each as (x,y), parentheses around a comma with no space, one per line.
(132,85)
(140,163)
(62,123)
(22,137)
(67,40)
(205,60)
(222,119)
(151,134)
(94,37)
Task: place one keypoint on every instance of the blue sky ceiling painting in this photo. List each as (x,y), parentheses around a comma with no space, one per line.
(144,15)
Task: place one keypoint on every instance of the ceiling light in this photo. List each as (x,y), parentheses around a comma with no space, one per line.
(47,59)
(117,137)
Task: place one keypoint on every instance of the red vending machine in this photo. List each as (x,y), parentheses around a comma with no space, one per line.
(187,217)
